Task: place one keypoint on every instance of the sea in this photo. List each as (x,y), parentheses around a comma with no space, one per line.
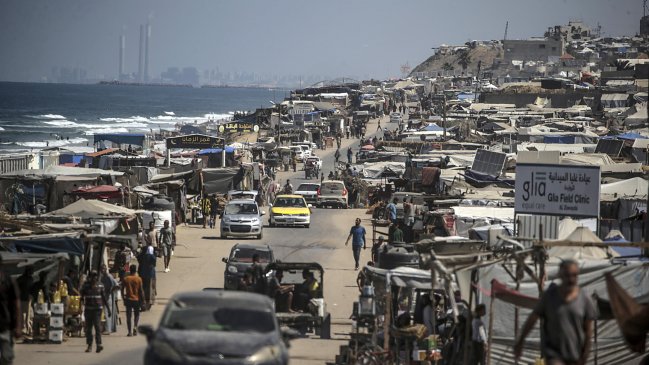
(38,115)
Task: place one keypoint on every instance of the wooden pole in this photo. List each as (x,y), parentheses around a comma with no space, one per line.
(388,314)
(467,327)
(491,323)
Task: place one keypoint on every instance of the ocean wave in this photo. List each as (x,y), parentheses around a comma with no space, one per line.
(170,113)
(61,123)
(105,130)
(2,129)
(52,143)
(47,116)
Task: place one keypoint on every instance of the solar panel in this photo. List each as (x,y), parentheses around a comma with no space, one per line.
(489,162)
(611,147)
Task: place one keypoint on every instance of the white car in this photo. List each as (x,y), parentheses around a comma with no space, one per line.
(299,152)
(332,193)
(242,218)
(309,191)
(306,149)
(315,160)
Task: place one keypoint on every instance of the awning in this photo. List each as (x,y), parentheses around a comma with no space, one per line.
(70,243)
(92,209)
(207,151)
(99,192)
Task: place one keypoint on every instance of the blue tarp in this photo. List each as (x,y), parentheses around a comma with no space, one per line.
(121,138)
(559,139)
(623,250)
(208,151)
(47,244)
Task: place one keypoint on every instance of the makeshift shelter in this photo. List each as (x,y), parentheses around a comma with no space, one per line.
(68,243)
(14,263)
(99,192)
(87,209)
(220,180)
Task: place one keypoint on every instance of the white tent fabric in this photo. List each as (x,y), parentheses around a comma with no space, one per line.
(578,234)
(630,188)
(468,217)
(374,170)
(92,209)
(54,171)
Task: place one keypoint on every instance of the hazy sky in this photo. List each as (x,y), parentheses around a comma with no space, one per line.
(300,37)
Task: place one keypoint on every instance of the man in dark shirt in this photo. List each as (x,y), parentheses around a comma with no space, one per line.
(357,235)
(93,297)
(10,321)
(568,316)
(147,272)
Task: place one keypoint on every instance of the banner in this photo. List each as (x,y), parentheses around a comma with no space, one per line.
(195,141)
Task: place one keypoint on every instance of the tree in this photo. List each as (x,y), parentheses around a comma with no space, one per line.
(447,67)
(464,59)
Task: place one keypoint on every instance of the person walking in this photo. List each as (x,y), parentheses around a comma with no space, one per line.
(10,321)
(25,283)
(147,273)
(167,239)
(378,128)
(349,155)
(110,289)
(479,337)
(213,210)
(205,209)
(133,299)
(568,316)
(94,300)
(357,235)
(337,156)
(151,236)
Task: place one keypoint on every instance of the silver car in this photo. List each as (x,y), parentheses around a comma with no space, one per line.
(242,218)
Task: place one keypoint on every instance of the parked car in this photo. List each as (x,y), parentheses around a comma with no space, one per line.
(395,117)
(332,193)
(240,260)
(242,218)
(290,210)
(217,326)
(309,191)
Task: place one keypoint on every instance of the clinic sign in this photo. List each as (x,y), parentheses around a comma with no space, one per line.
(564,190)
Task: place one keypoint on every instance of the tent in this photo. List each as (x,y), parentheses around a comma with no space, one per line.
(220,180)
(432,127)
(92,209)
(636,187)
(68,243)
(571,231)
(207,151)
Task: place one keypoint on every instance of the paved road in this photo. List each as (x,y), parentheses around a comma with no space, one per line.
(198,264)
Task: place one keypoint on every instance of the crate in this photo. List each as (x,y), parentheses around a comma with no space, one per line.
(56,322)
(57,309)
(56,336)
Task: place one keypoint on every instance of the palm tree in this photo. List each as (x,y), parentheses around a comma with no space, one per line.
(464,59)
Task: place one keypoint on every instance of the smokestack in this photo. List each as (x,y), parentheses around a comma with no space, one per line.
(140,67)
(147,43)
(122,56)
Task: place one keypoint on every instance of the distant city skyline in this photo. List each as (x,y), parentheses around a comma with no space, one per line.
(283,39)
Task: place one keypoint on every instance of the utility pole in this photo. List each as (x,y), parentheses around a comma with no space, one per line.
(506,28)
(477,85)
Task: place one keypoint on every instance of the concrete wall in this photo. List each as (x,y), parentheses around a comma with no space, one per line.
(532,49)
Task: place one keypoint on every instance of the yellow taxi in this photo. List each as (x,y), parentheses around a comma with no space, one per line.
(290,210)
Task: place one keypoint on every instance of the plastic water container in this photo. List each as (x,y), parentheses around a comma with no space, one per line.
(56,323)
(56,336)
(57,308)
